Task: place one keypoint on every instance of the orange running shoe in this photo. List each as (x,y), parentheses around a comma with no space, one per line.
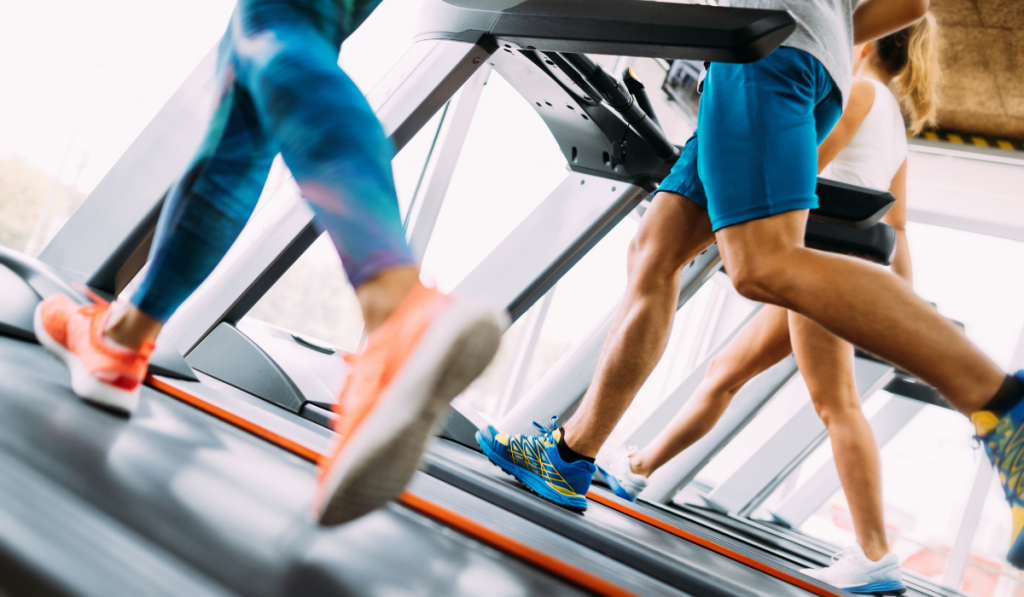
(100,373)
(427,352)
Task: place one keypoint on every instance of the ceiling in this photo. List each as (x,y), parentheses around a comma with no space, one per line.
(983,64)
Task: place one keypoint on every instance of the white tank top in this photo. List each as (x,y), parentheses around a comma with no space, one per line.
(877,150)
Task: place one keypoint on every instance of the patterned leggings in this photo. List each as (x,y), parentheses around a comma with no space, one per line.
(281,91)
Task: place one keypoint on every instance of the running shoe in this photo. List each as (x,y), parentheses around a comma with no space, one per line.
(1003,439)
(534,460)
(101,373)
(426,353)
(618,473)
(852,571)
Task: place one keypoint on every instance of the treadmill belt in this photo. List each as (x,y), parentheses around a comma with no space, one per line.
(791,544)
(223,510)
(676,561)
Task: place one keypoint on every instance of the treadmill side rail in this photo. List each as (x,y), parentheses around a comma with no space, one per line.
(559,231)
(619,27)
(562,387)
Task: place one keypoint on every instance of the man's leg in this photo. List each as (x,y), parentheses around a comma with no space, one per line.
(673,232)
(759,345)
(858,302)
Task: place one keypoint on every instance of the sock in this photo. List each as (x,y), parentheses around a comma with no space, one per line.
(568,454)
(1008,395)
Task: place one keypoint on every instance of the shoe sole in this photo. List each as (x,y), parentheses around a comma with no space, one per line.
(527,479)
(1016,554)
(619,490)
(382,454)
(83,384)
(881,589)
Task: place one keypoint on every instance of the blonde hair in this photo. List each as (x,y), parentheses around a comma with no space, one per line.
(911,56)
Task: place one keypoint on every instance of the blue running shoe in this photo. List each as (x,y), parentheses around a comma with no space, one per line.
(1003,439)
(535,462)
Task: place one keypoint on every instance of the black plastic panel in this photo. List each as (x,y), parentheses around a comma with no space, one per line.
(908,387)
(849,205)
(230,356)
(622,27)
(876,244)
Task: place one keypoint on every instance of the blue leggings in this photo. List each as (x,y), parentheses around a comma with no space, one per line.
(281,91)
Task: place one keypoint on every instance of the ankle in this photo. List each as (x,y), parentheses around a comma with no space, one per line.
(875,552)
(573,441)
(638,465)
(380,296)
(129,327)
(1009,394)
(568,454)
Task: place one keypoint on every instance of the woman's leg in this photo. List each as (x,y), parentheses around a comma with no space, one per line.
(339,155)
(202,216)
(826,363)
(759,345)
(423,347)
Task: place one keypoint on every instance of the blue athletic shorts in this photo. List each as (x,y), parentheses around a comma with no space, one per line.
(760,125)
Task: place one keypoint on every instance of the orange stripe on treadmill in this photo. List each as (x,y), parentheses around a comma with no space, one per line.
(457,521)
(230,417)
(725,551)
(524,552)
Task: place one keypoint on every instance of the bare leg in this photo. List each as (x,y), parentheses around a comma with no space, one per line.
(858,302)
(759,345)
(380,296)
(130,327)
(673,232)
(826,363)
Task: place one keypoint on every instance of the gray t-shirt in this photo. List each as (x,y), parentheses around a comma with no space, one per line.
(824,30)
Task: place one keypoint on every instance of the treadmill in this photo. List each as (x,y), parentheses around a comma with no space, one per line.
(206,489)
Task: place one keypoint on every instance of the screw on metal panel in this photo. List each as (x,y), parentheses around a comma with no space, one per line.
(476,60)
(582,181)
(613,188)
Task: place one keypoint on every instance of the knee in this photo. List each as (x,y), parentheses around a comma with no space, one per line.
(721,379)
(841,412)
(755,279)
(647,261)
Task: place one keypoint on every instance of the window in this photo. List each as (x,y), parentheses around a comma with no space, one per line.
(89,76)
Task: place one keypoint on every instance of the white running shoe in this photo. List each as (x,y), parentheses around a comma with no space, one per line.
(614,465)
(852,571)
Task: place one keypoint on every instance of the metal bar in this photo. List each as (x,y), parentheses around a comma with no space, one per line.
(660,417)
(529,337)
(824,483)
(678,472)
(754,481)
(455,127)
(559,231)
(959,555)
(965,223)
(559,390)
